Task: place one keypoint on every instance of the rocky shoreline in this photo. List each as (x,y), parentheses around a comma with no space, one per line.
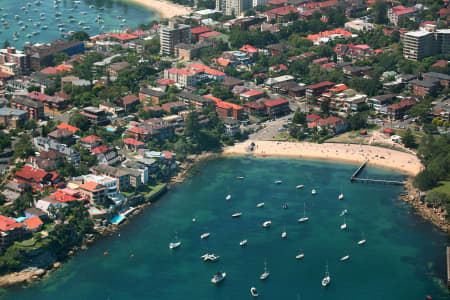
(415,197)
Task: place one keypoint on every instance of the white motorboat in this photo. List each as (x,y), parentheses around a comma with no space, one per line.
(344,258)
(266,273)
(299,186)
(284,233)
(314,192)
(304,218)
(278,182)
(300,256)
(175,244)
(205,235)
(210,257)
(236,215)
(254,292)
(240,177)
(267,224)
(260,204)
(362,242)
(327,279)
(228,197)
(194,220)
(243,243)
(218,277)
(341,196)
(344,226)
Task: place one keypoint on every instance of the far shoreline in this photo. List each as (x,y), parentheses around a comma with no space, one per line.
(163,8)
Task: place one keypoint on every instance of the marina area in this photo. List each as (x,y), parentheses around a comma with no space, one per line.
(402,256)
(45,21)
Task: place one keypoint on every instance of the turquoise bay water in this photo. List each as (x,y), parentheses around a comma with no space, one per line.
(107,10)
(404,257)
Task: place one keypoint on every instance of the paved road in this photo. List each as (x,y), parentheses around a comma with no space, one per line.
(271,129)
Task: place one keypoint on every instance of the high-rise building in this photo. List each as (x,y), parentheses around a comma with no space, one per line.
(234,7)
(423,43)
(173,34)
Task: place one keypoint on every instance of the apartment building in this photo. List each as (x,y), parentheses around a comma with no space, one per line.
(19,61)
(423,43)
(173,34)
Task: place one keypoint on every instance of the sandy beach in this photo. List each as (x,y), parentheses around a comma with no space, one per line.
(165,9)
(383,157)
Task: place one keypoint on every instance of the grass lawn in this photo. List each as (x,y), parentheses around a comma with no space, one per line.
(443,188)
(151,190)
(282,136)
(350,137)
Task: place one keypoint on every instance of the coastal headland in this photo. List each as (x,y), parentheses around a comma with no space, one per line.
(165,9)
(404,162)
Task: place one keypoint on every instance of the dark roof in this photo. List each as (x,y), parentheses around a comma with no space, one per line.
(193,97)
(231,81)
(427,83)
(27,102)
(384,98)
(152,92)
(185,46)
(436,75)
(279,47)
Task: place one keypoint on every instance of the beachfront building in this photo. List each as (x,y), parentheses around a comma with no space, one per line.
(10,231)
(95,192)
(173,34)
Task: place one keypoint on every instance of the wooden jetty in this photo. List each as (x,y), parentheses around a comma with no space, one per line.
(355,178)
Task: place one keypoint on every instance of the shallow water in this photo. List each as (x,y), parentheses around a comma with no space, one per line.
(108,10)
(404,257)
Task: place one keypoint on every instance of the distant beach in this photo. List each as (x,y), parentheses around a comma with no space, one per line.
(378,156)
(165,9)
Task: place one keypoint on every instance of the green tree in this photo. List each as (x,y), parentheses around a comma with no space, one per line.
(80,121)
(152,46)
(408,139)
(380,8)
(299,117)
(80,36)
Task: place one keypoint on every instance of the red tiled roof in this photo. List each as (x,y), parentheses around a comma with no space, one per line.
(332,120)
(223,62)
(131,141)
(313,117)
(327,33)
(37,96)
(91,139)
(252,93)
(200,30)
(138,130)
(50,70)
(387,130)
(249,49)
(215,99)
(197,67)
(165,81)
(92,186)
(29,173)
(338,88)
(228,105)
(167,154)
(320,60)
(401,10)
(282,11)
(404,103)
(100,149)
(320,84)
(5,75)
(33,222)
(129,99)
(210,34)
(7,224)
(328,65)
(71,128)
(123,36)
(320,4)
(276,102)
(441,63)
(276,2)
